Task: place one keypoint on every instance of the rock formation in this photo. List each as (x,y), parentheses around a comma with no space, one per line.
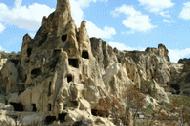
(63,77)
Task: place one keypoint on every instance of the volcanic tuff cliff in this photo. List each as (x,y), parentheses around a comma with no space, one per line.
(61,77)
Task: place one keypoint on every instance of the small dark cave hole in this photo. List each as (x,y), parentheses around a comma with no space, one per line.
(69,78)
(101,113)
(49,107)
(14,61)
(49,89)
(64,37)
(34,108)
(17,106)
(176,88)
(29,52)
(75,103)
(36,72)
(74,62)
(61,117)
(85,54)
(49,119)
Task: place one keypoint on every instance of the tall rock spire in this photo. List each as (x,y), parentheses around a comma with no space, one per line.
(63,5)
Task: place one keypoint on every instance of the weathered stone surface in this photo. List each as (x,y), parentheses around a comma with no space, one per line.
(61,77)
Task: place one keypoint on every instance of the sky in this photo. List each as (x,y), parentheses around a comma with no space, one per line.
(125,24)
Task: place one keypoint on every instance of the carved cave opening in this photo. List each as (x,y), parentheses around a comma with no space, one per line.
(49,107)
(101,113)
(61,117)
(64,37)
(69,78)
(34,108)
(176,88)
(36,72)
(85,54)
(17,106)
(49,119)
(74,103)
(49,89)
(29,52)
(74,63)
(14,61)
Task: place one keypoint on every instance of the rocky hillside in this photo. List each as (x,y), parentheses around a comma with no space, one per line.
(63,77)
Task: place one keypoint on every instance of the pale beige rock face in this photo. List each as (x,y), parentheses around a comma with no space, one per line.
(62,75)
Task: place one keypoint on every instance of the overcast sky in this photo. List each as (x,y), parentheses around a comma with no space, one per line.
(125,24)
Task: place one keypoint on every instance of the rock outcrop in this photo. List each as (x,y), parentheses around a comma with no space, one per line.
(63,77)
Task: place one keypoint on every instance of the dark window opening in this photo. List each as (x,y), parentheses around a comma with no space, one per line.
(61,117)
(21,88)
(102,113)
(64,37)
(29,51)
(175,88)
(57,51)
(69,78)
(6,102)
(85,54)
(34,109)
(14,61)
(49,89)
(74,62)
(49,107)
(17,106)
(36,72)
(75,103)
(49,119)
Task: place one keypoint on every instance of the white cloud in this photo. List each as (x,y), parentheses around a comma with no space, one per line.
(94,31)
(25,17)
(77,9)
(176,54)
(185,12)
(135,20)
(29,17)
(121,46)
(86,3)
(157,6)
(2,27)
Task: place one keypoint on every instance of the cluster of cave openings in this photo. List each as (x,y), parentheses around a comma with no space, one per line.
(64,37)
(85,54)
(69,78)
(17,106)
(36,72)
(74,62)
